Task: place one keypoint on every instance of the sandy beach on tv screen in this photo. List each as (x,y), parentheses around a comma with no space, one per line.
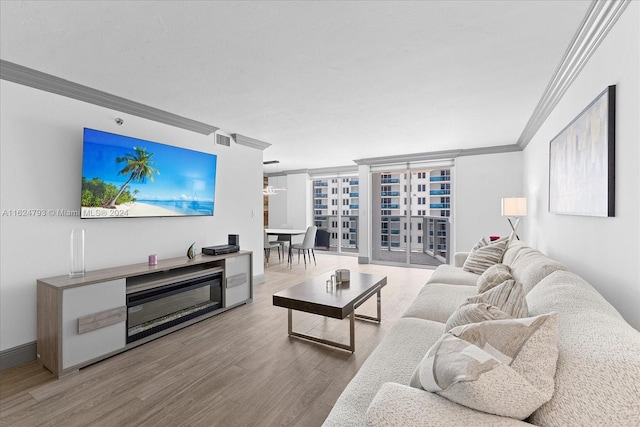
(135,209)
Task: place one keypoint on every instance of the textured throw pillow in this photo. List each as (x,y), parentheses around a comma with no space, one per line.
(474,313)
(493,276)
(485,254)
(507,296)
(503,367)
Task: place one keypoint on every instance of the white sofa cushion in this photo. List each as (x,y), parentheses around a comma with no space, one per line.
(451,275)
(400,405)
(502,367)
(530,266)
(393,360)
(513,248)
(597,382)
(436,301)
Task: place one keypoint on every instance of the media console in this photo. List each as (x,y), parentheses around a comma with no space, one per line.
(86,319)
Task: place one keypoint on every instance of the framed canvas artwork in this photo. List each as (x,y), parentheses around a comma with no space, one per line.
(582,161)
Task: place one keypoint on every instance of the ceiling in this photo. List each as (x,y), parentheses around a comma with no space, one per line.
(324,82)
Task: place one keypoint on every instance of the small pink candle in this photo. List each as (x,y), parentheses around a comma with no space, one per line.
(153,259)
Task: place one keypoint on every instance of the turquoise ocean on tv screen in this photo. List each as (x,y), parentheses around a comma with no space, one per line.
(183,207)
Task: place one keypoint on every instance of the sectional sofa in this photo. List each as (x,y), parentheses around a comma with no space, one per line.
(583,363)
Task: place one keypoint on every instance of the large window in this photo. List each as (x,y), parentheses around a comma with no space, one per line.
(341,226)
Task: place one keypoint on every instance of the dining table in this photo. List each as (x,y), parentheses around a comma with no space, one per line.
(289,232)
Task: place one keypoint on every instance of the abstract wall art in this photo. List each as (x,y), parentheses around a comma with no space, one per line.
(582,161)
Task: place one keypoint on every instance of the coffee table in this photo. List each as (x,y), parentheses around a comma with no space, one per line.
(314,296)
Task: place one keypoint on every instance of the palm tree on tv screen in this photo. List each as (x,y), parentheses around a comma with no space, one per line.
(138,167)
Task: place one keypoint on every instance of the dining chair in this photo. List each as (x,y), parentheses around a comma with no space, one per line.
(268,246)
(283,240)
(306,246)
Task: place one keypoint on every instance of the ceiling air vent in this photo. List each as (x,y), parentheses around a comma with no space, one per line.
(223,140)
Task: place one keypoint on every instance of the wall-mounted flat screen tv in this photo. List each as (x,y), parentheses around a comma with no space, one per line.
(124,177)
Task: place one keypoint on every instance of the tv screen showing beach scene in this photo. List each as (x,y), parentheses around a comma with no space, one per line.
(124,177)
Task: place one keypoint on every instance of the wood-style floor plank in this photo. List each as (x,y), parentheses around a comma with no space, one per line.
(236,369)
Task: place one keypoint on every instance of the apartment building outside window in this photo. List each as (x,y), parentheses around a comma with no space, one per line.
(410,212)
(340,225)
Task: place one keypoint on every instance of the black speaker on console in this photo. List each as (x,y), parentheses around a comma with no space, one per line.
(234,239)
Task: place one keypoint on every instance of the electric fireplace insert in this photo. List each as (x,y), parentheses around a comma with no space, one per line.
(162,307)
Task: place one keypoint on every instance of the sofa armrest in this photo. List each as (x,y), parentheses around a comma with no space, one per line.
(401,405)
(459,258)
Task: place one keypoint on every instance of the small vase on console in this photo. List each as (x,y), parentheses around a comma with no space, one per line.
(76,265)
(191,252)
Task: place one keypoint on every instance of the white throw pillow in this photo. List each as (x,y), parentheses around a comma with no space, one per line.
(493,276)
(503,367)
(485,254)
(474,313)
(508,297)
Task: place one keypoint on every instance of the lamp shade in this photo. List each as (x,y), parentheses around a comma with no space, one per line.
(514,206)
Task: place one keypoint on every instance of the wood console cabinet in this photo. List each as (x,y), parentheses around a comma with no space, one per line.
(83,320)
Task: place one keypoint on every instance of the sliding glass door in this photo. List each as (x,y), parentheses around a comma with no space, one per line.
(411,213)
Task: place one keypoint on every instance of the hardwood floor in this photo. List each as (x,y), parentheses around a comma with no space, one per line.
(235,369)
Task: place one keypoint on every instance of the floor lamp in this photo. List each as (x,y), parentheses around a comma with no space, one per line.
(514,208)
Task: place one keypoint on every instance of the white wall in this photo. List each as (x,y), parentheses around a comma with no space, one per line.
(299,213)
(291,207)
(41,155)
(479,184)
(278,203)
(364,226)
(605,251)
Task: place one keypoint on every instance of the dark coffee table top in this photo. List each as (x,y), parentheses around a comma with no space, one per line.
(313,296)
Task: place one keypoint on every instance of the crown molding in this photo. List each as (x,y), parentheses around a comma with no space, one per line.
(36,79)
(437,155)
(403,158)
(335,170)
(296,171)
(600,18)
(490,150)
(250,142)
(286,173)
